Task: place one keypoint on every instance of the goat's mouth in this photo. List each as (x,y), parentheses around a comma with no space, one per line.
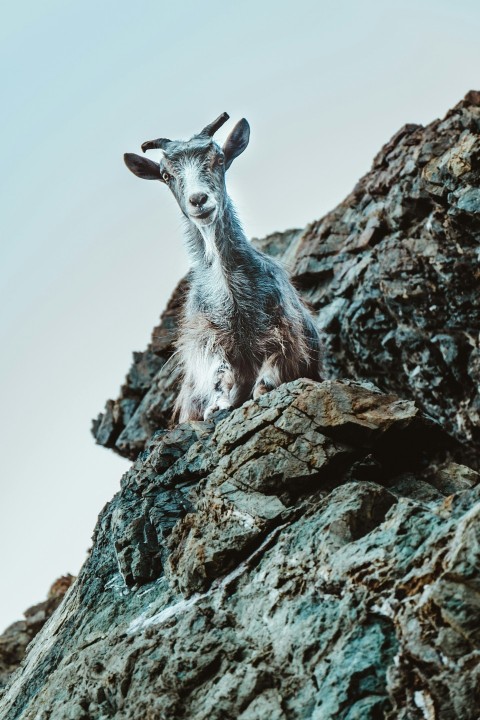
(204,214)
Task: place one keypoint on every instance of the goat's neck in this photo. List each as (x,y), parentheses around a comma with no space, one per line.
(221,245)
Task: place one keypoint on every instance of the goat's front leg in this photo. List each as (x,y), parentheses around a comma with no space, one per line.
(220,396)
(268,378)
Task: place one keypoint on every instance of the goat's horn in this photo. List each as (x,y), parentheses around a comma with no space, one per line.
(154,144)
(212,128)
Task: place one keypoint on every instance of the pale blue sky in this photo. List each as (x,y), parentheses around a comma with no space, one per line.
(89,254)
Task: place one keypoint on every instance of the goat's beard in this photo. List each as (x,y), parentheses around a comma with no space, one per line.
(205,222)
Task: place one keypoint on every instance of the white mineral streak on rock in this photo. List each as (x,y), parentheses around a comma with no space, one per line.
(384,608)
(117,584)
(246,520)
(426,594)
(424,703)
(143,622)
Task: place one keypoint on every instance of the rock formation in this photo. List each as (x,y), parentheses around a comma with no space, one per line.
(393,273)
(16,638)
(315,553)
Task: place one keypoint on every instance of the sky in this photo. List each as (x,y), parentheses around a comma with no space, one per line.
(89,254)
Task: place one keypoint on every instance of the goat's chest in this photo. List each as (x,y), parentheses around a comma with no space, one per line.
(237,307)
(227,299)
(236,326)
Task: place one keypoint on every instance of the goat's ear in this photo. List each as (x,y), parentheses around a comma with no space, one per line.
(236,142)
(142,167)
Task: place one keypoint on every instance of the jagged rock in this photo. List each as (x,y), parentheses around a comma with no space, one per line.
(392,273)
(313,554)
(15,639)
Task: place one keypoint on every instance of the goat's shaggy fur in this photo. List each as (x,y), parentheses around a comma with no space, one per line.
(244,329)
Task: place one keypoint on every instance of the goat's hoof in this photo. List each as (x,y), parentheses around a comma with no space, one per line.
(209,411)
(214,408)
(262,388)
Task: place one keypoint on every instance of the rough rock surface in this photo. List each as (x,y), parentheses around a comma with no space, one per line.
(16,638)
(315,553)
(393,273)
(310,555)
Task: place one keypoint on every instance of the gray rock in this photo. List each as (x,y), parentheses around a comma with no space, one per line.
(16,638)
(278,562)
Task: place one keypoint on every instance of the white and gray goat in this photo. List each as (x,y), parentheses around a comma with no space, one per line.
(244,330)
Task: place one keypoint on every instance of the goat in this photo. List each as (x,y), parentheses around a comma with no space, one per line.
(245,329)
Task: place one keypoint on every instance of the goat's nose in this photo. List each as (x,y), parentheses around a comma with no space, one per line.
(198,199)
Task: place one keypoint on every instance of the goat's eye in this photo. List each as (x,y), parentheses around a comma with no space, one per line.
(166,176)
(220,160)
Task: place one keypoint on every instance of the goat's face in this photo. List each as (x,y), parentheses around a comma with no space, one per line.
(194,170)
(195,173)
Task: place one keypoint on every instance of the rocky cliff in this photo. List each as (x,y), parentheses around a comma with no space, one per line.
(393,274)
(315,553)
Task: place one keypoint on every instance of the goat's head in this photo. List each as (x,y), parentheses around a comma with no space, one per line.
(194,170)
